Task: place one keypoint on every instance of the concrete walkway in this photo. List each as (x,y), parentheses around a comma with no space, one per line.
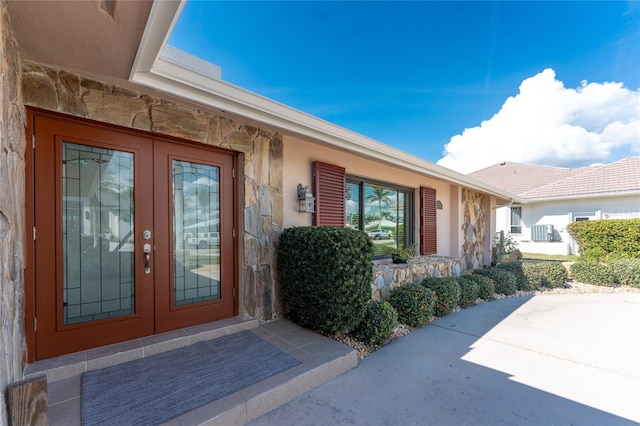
(557,359)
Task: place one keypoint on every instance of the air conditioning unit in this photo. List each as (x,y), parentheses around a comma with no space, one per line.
(542,233)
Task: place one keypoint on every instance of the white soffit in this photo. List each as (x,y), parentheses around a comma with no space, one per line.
(178,73)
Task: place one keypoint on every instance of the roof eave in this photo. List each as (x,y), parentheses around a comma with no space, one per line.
(157,69)
(583,196)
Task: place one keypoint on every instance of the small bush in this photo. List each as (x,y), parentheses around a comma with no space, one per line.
(486,286)
(379,321)
(414,304)
(468,291)
(329,287)
(595,273)
(447,293)
(545,274)
(627,272)
(504,281)
(516,268)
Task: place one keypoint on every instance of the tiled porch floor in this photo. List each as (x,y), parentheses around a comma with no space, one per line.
(322,359)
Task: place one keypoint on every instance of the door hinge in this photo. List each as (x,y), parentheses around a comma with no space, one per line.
(33,141)
(34,233)
(233,173)
(35,324)
(234,292)
(233,233)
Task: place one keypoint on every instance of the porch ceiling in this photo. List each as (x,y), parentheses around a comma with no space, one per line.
(81,36)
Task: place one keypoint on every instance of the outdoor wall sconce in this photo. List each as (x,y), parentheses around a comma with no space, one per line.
(306,201)
(439,205)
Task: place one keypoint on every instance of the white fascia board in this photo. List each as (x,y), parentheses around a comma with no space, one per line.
(161,69)
(162,18)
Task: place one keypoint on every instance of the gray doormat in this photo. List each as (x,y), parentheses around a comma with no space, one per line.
(153,390)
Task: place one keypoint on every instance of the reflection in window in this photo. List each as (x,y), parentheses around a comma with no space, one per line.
(196,232)
(97,233)
(381,210)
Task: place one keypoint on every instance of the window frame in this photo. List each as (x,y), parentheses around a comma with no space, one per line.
(512,225)
(409,193)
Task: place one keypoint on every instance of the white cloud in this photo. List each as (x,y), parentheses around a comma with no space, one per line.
(547,123)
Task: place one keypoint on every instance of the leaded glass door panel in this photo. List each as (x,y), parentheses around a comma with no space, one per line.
(91,289)
(194,204)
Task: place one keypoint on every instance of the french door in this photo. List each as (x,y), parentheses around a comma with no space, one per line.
(133,235)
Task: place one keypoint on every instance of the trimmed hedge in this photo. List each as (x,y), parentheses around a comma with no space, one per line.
(607,239)
(625,272)
(447,293)
(414,304)
(486,286)
(628,272)
(516,268)
(379,321)
(505,282)
(545,274)
(328,287)
(468,291)
(593,273)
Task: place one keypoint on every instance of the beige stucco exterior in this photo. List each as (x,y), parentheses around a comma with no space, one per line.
(298,156)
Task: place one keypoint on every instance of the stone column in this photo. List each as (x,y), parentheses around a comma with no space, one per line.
(12,224)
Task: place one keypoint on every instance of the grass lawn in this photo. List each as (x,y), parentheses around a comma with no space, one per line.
(556,257)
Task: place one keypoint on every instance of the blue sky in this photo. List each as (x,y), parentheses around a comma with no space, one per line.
(446,81)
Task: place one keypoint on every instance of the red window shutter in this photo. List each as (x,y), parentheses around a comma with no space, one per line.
(428,230)
(329,188)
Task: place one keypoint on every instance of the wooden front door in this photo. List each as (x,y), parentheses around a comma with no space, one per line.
(133,235)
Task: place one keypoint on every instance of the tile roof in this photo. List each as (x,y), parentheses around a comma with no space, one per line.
(534,182)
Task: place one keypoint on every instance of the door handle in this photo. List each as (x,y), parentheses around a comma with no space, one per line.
(146,248)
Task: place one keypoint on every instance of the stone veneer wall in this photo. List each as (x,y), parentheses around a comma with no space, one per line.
(473,232)
(68,93)
(12,225)
(386,277)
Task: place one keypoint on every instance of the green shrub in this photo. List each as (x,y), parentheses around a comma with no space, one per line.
(627,272)
(486,286)
(468,291)
(414,304)
(516,268)
(607,239)
(379,321)
(595,273)
(545,274)
(504,281)
(624,272)
(447,293)
(328,287)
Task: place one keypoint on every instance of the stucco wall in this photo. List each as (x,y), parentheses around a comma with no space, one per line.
(68,93)
(300,154)
(12,146)
(560,213)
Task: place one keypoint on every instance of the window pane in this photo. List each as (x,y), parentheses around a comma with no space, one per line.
(196,226)
(383,212)
(353,206)
(97,233)
(516,219)
(381,216)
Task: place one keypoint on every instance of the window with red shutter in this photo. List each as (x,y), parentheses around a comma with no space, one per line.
(329,187)
(428,230)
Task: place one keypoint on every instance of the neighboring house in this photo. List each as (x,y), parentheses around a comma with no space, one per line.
(555,196)
(117,150)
